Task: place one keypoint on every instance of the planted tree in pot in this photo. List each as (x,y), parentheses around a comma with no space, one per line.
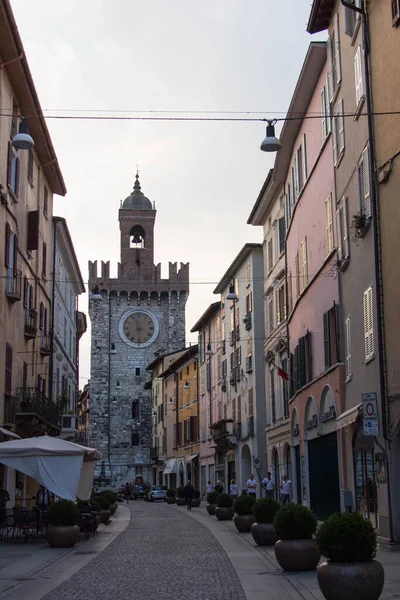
(295,549)
(211,502)
(244,518)
(111,497)
(196,498)
(63,530)
(224,510)
(349,542)
(180,496)
(171,494)
(105,513)
(263,530)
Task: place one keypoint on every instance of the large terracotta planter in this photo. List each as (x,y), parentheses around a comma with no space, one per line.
(196,502)
(181,501)
(113,508)
(171,500)
(264,534)
(224,513)
(297,555)
(104,516)
(243,522)
(211,509)
(351,581)
(59,536)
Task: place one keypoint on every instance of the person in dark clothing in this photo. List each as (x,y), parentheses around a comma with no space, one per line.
(189,493)
(218,487)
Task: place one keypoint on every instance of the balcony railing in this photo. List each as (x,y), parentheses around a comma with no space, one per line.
(14,286)
(31,324)
(45,344)
(249,364)
(31,401)
(247,321)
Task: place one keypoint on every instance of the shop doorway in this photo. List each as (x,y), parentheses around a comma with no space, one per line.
(364,475)
(323,466)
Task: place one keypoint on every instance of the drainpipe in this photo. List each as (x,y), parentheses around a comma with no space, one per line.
(377,258)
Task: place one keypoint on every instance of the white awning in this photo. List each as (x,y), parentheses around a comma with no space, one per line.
(170,466)
(348,417)
(9,434)
(190,457)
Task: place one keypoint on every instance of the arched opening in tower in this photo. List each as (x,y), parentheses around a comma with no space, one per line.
(137,237)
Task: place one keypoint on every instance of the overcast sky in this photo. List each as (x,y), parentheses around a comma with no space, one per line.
(163,55)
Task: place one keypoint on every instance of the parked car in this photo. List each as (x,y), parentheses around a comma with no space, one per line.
(157,492)
(139,492)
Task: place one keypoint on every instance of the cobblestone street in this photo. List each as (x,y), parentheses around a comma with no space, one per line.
(163,553)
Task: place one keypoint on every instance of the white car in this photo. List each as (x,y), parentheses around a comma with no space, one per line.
(157,492)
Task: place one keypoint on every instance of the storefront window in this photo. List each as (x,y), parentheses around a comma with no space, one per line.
(364,474)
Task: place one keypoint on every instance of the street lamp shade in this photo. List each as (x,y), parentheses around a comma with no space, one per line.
(22,140)
(270,143)
(186,386)
(209,352)
(113,350)
(231,294)
(96,296)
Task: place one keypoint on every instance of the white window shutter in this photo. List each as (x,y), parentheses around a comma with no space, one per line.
(347,338)
(296,178)
(366,180)
(328,104)
(358,76)
(368,324)
(335,140)
(339,234)
(329,77)
(323,113)
(328,224)
(293,187)
(345,228)
(336,38)
(304,166)
(341,140)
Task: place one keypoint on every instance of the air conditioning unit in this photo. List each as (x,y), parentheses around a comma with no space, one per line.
(257,463)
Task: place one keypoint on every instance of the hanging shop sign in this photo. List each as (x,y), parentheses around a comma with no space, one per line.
(328,415)
(370,414)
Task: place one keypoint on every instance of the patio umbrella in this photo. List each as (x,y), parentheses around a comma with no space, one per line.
(62,467)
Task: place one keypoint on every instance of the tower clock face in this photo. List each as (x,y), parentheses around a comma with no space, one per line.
(138,328)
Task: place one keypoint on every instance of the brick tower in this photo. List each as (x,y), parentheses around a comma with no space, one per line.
(137,315)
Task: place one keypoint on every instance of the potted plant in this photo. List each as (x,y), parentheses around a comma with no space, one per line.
(224,510)
(112,499)
(196,498)
(295,549)
(180,496)
(105,513)
(349,542)
(263,530)
(63,530)
(244,518)
(211,502)
(171,494)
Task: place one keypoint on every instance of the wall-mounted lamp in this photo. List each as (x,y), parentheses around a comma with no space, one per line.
(209,352)
(270,143)
(22,140)
(113,350)
(231,295)
(96,296)
(186,386)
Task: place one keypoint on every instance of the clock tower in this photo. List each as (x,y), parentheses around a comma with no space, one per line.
(133,317)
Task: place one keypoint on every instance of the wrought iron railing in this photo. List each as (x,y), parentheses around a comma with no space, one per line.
(14,285)
(32,401)
(31,324)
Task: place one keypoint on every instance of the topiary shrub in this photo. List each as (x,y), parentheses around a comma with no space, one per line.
(180,492)
(111,497)
(171,493)
(95,505)
(264,510)
(103,502)
(347,537)
(63,513)
(244,505)
(295,522)
(224,500)
(196,494)
(212,497)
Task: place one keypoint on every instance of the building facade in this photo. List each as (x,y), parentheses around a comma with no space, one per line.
(133,316)
(83,413)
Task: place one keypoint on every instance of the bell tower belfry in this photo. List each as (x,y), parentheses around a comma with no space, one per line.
(137,216)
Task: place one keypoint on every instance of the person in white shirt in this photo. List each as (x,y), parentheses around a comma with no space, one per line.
(286,489)
(252,486)
(209,487)
(269,485)
(233,489)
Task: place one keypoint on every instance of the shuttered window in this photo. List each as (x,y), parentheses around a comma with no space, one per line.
(363,185)
(45,200)
(358,77)
(250,406)
(329,224)
(343,245)
(395,12)
(327,341)
(304,267)
(347,343)
(8,371)
(368,324)
(44,259)
(13,166)
(33,230)
(30,167)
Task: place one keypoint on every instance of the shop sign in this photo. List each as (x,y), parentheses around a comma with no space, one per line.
(328,415)
(371,427)
(311,423)
(370,414)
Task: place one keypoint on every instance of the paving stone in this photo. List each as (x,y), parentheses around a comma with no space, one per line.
(162,554)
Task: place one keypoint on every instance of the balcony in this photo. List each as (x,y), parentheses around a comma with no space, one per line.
(69,427)
(222,435)
(14,286)
(247,321)
(35,413)
(45,348)
(31,324)
(223,347)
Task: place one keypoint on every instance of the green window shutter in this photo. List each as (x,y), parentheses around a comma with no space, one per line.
(302,361)
(327,341)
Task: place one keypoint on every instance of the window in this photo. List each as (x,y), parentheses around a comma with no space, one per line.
(368,325)
(338,140)
(297,269)
(290,294)
(304,268)
(248,277)
(270,305)
(135,439)
(137,371)
(9,369)
(328,224)
(347,344)
(13,171)
(250,402)
(25,375)
(280,303)
(239,409)
(33,230)
(44,260)
(300,166)
(233,409)
(270,255)
(135,410)
(282,233)
(352,18)
(30,167)
(14,120)
(363,187)
(342,231)
(223,307)
(272,394)
(330,337)
(288,206)
(358,76)
(11,257)
(325,111)
(301,363)
(335,71)
(285,387)
(249,303)
(395,12)
(59,319)
(45,201)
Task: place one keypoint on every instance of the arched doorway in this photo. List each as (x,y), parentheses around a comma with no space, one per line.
(275,471)
(245,466)
(364,476)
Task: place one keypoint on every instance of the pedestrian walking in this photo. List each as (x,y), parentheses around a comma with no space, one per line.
(233,489)
(209,487)
(218,487)
(252,486)
(189,493)
(269,485)
(127,492)
(286,489)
